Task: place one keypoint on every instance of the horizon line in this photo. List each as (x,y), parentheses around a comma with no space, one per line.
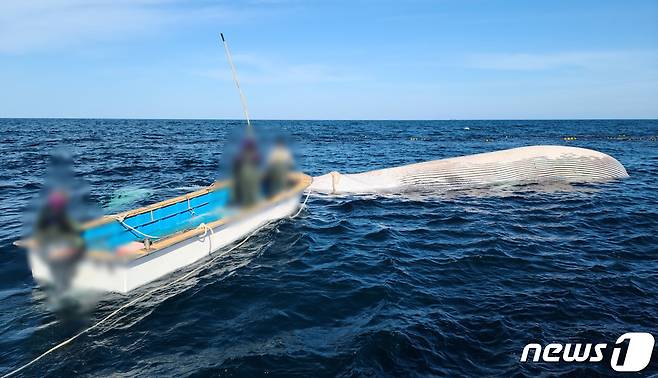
(336,119)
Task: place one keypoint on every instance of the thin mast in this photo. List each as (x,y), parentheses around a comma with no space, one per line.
(243,99)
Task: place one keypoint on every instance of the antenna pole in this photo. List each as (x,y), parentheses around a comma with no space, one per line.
(243,99)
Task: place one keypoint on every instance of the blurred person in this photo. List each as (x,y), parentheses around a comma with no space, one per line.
(246,174)
(279,165)
(59,238)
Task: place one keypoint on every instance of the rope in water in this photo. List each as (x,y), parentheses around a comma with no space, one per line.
(132,302)
(303,205)
(148,293)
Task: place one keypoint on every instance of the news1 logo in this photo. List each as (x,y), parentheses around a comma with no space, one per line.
(637,357)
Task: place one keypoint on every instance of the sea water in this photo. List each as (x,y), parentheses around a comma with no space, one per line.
(448,284)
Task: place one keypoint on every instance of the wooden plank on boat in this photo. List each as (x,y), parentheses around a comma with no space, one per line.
(302,182)
(127,214)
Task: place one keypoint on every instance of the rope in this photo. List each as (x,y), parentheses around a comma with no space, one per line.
(335,177)
(302,206)
(108,317)
(131,228)
(205,232)
(189,207)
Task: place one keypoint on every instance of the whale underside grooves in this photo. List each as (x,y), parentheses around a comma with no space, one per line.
(516,166)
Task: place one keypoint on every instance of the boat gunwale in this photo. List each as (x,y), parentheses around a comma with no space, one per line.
(303,181)
(155,206)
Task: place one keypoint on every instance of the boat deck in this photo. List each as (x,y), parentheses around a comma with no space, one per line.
(172,221)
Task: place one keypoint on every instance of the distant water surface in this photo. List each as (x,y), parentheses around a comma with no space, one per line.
(417,285)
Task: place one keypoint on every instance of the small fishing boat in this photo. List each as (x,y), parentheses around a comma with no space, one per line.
(127,250)
(130,249)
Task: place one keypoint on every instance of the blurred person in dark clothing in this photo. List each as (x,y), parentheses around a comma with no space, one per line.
(58,238)
(246,174)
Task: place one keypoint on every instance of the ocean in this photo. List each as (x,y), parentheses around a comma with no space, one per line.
(417,285)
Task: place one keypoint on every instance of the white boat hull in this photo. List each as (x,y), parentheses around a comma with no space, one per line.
(98,275)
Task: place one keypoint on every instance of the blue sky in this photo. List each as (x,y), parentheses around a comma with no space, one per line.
(437,59)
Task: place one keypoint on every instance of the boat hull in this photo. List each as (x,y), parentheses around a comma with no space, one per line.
(122,277)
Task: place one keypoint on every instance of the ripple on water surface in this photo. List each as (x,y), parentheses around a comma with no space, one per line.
(453,284)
